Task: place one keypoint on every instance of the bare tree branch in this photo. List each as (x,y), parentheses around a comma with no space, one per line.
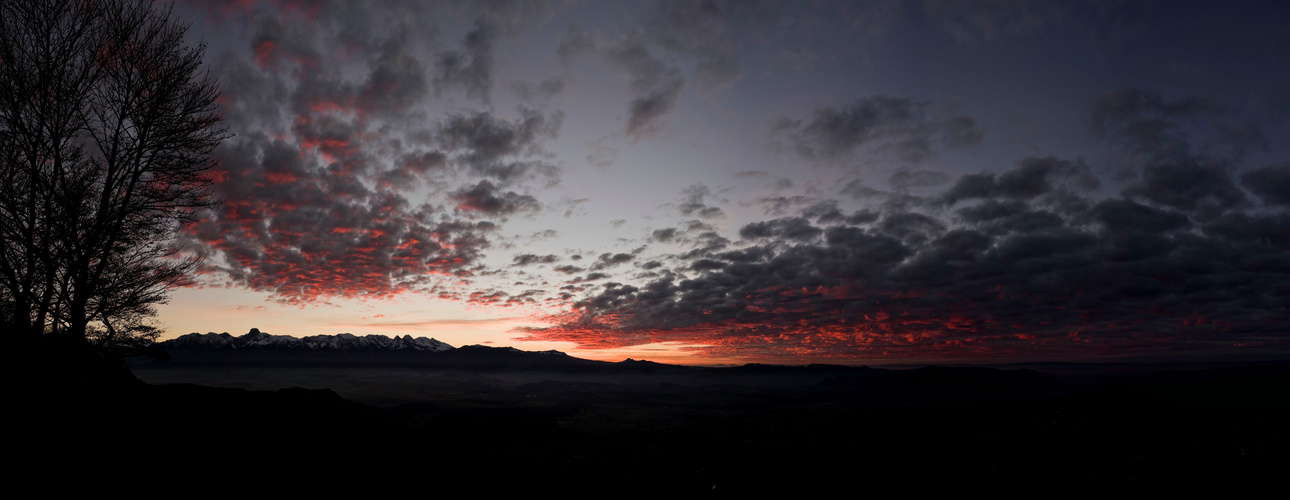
(107,128)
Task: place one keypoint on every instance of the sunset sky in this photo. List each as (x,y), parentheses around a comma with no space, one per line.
(728,182)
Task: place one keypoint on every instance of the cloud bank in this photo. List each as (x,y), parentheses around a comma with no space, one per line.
(1029,263)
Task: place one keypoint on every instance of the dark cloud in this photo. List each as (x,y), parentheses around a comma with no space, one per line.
(908,129)
(699,210)
(1268,232)
(1187,186)
(1012,216)
(1033,177)
(1025,268)
(499,148)
(397,83)
(304,231)
(487,199)
(429,166)
(500,298)
(590,277)
(695,197)
(645,111)
(904,179)
(323,100)
(278,43)
(526,259)
(709,33)
(698,226)
(703,36)
(780,205)
(1270,183)
(252,98)
(655,84)
(1136,232)
(396,80)
(914,229)
(1154,129)
(664,235)
(334,138)
(861,217)
(1181,153)
(569,269)
(792,229)
(297,49)
(824,212)
(470,68)
(706,243)
(702,265)
(608,260)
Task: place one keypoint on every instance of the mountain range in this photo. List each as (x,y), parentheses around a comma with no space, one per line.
(255,339)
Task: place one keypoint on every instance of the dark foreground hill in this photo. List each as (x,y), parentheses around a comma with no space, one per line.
(496,420)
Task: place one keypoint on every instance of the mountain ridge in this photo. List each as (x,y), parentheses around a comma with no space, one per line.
(255,339)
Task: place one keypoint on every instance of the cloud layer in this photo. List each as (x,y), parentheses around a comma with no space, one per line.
(901,128)
(767,181)
(339,184)
(1028,263)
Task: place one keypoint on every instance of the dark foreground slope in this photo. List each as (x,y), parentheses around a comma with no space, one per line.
(475,425)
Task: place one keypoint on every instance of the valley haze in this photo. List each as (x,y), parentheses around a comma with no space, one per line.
(552,422)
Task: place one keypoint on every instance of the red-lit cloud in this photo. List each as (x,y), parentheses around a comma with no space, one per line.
(372,158)
(1023,264)
(322,197)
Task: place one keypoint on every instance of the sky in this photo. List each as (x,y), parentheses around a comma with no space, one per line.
(725,182)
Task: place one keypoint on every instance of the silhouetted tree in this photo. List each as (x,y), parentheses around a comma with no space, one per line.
(107,125)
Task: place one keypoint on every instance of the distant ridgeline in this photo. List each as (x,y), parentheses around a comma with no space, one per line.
(255,339)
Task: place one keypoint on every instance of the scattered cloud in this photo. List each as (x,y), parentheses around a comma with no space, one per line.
(470,68)
(1030,262)
(487,199)
(373,158)
(904,128)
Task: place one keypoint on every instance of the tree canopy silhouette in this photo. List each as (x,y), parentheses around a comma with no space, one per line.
(107,127)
